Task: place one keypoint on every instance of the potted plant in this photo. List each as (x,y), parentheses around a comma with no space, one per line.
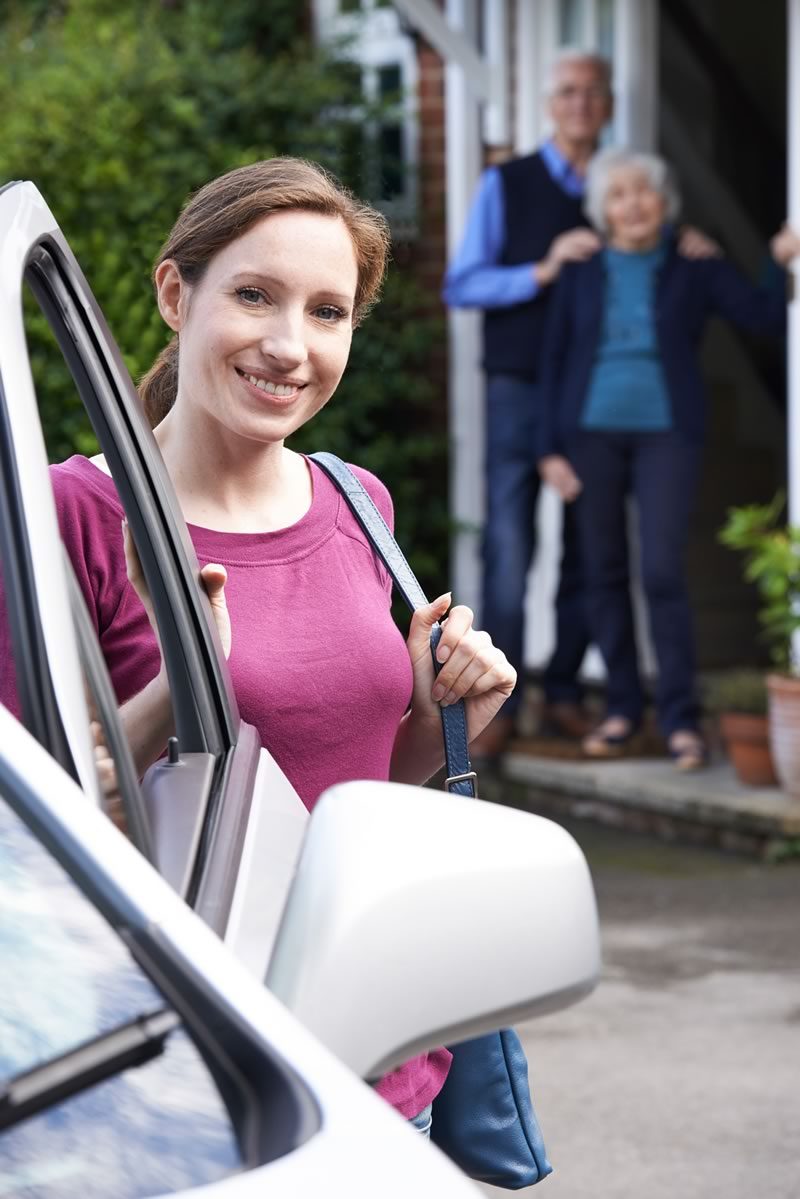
(772,561)
(739,698)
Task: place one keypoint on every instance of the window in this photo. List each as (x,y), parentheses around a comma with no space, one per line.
(380,157)
(68,979)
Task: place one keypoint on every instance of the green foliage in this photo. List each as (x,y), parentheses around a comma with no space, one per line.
(117,112)
(772,561)
(742,691)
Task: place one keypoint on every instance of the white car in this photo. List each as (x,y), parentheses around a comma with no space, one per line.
(230,1088)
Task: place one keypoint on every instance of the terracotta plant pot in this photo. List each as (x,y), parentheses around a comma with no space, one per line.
(784,729)
(746,739)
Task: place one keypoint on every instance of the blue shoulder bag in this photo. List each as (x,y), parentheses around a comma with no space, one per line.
(483,1118)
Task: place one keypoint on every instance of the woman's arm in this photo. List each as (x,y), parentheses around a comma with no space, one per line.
(732,296)
(554,468)
(147,717)
(473,669)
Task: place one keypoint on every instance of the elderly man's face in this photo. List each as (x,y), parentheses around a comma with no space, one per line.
(580,103)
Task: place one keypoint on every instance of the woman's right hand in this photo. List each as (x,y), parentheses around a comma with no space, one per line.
(213,577)
(557,472)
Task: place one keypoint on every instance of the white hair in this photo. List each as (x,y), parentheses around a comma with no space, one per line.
(573,54)
(603,166)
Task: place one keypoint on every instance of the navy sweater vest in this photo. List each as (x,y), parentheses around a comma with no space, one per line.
(537,210)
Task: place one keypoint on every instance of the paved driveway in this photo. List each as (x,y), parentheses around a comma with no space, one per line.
(680,1076)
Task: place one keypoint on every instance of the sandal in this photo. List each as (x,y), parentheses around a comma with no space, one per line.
(687,750)
(610,738)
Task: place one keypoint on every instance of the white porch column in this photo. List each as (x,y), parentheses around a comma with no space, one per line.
(465,381)
(636,73)
(793,154)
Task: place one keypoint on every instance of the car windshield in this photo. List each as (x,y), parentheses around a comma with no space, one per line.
(68,979)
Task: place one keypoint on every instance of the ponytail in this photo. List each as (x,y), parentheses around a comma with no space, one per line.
(158,389)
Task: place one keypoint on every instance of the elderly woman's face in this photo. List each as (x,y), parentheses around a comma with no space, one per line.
(634,210)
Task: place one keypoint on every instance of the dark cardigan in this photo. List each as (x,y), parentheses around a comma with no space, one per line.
(688,292)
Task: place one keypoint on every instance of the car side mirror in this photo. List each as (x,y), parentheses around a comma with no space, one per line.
(418,918)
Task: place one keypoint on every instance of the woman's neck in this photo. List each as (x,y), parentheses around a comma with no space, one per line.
(231,483)
(633,245)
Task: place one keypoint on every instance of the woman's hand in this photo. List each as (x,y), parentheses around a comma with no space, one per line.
(213,577)
(557,472)
(472,668)
(785,245)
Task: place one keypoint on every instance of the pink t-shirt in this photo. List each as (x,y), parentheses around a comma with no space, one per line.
(317,663)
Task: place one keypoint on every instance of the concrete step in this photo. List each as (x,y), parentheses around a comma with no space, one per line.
(708,806)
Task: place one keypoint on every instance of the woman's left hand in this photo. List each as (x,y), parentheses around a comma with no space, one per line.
(472,668)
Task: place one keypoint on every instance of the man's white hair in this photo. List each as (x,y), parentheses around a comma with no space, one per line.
(603,166)
(568,55)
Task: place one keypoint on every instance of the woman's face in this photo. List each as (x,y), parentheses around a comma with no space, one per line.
(265,335)
(634,209)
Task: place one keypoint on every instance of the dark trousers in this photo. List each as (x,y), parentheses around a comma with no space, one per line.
(512,489)
(660,470)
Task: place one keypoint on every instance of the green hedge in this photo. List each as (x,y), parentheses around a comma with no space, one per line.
(117,112)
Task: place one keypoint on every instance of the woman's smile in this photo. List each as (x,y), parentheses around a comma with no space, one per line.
(282,392)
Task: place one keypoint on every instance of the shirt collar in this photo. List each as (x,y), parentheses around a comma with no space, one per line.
(561,169)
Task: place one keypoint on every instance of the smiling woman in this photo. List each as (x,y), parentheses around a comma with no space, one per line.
(263,280)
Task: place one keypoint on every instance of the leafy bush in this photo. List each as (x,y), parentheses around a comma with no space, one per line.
(117,112)
(772,562)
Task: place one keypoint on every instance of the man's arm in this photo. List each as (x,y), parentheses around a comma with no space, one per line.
(475,277)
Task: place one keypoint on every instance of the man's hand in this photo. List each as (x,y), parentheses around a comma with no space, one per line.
(575,246)
(694,244)
(557,472)
(785,245)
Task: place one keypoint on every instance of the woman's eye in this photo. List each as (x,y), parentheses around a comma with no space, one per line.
(329,312)
(250,295)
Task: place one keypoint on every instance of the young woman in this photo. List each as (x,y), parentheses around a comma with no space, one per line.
(626,417)
(265,276)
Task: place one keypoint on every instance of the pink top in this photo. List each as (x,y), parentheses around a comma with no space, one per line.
(317,663)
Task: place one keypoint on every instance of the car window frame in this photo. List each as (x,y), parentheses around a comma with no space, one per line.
(204,705)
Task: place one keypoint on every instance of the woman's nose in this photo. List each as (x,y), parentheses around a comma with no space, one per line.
(283,340)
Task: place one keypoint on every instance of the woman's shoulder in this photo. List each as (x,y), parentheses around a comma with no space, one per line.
(377,491)
(86,499)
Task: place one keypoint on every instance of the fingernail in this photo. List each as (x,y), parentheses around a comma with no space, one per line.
(438,692)
(449,699)
(442,653)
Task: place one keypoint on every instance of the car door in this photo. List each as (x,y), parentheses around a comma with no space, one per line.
(137,1056)
(216,816)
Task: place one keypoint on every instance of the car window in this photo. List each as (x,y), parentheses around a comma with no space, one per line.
(68,978)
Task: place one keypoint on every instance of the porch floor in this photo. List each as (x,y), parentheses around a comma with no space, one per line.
(647,794)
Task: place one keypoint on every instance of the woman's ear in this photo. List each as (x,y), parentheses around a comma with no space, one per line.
(172,294)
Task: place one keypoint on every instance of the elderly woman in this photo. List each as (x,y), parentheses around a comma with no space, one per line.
(626,417)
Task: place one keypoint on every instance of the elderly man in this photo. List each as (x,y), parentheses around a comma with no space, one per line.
(526,221)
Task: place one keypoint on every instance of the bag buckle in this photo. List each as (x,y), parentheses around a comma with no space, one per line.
(469,777)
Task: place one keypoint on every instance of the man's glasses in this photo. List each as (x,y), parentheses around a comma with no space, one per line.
(569,92)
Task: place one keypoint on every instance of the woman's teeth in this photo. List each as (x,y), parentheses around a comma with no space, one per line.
(273,389)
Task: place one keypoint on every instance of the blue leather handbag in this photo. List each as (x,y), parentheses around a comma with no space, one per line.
(483,1118)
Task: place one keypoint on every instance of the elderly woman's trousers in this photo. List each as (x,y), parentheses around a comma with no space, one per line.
(660,472)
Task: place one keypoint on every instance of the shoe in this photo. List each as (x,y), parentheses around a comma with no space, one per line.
(564,720)
(687,750)
(494,739)
(610,739)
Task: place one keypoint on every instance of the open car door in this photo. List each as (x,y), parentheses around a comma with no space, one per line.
(216,816)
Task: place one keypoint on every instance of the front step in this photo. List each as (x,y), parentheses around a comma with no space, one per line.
(707,807)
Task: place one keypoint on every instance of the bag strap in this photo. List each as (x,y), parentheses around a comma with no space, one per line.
(461,778)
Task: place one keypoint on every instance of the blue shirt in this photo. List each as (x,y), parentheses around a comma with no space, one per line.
(627,389)
(475,278)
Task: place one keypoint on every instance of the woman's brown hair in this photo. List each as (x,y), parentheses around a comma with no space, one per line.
(226,207)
